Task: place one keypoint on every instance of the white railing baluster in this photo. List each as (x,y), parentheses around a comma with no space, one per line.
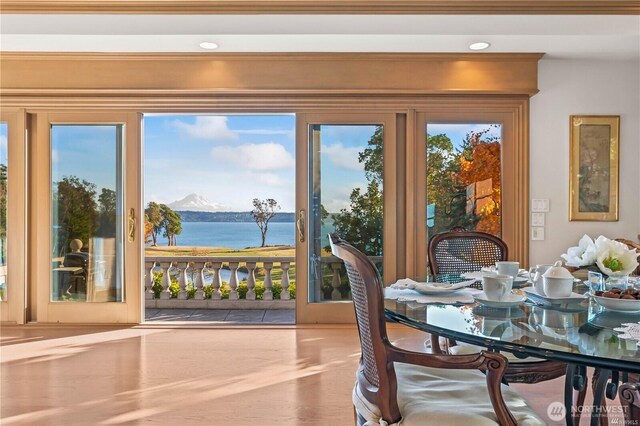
(199,284)
(268,282)
(182,279)
(285,281)
(233,281)
(336,281)
(166,280)
(148,279)
(251,281)
(215,294)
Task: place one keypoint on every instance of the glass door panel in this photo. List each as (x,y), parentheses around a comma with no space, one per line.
(463,177)
(86,213)
(346,175)
(87,232)
(346,181)
(4,176)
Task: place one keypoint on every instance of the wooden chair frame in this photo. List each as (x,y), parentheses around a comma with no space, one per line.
(379,355)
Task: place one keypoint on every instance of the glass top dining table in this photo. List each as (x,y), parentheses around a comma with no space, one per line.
(578,333)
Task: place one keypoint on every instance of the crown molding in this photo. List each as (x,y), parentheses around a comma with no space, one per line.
(331,7)
(66,74)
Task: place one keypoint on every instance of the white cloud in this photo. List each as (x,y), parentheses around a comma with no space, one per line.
(3,143)
(265,132)
(212,127)
(261,157)
(343,157)
(54,155)
(268,179)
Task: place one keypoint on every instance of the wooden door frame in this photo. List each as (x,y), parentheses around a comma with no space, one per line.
(342,311)
(129,311)
(13,309)
(513,114)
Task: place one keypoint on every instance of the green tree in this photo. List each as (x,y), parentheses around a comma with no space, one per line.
(361,224)
(76,209)
(171,224)
(263,211)
(107,213)
(444,190)
(153,215)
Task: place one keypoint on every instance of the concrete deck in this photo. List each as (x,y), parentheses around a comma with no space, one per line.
(221,316)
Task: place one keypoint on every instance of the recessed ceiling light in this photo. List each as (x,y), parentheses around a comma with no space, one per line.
(479,46)
(209,45)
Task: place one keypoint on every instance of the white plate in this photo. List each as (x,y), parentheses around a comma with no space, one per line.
(533,294)
(618,305)
(437,288)
(511,300)
(431,288)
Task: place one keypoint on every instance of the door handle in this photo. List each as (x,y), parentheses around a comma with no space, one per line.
(300,226)
(132,225)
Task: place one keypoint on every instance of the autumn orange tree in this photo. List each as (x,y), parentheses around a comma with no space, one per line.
(480,161)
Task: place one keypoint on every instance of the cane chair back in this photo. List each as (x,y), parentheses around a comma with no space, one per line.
(377,382)
(459,251)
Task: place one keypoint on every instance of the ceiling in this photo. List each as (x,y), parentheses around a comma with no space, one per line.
(610,37)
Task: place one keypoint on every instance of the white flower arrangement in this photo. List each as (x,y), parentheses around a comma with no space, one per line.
(612,258)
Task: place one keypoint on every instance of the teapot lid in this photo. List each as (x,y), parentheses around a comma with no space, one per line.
(557,271)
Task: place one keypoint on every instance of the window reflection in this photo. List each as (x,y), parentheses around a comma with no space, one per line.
(346,198)
(4,163)
(86,213)
(464,177)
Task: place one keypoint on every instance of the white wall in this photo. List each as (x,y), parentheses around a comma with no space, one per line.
(581,87)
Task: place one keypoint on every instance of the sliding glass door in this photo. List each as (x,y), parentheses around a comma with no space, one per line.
(12,216)
(346,184)
(88,233)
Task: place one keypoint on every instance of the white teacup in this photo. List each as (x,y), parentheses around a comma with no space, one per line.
(497,287)
(508,268)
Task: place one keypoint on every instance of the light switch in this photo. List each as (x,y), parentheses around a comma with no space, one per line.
(537,219)
(537,233)
(540,205)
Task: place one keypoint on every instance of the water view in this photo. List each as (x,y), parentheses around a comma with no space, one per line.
(237,235)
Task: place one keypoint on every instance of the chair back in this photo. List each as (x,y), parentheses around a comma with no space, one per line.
(459,251)
(376,375)
(630,401)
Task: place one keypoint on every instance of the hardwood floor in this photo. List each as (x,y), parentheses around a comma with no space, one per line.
(281,375)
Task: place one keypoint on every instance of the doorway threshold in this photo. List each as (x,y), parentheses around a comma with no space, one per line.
(225,317)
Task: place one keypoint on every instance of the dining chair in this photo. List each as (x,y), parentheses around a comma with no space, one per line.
(459,251)
(394,384)
(630,401)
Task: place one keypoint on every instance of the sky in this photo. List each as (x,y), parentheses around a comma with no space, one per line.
(3,143)
(229,160)
(88,152)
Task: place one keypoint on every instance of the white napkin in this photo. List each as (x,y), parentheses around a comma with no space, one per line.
(406,294)
(408,283)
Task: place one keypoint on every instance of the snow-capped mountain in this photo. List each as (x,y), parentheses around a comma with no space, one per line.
(196,203)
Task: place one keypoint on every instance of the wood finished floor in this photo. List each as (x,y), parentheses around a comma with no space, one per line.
(210,376)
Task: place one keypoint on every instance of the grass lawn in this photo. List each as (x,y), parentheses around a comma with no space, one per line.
(269,251)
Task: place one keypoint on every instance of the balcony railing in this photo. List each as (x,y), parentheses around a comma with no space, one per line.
(234,282)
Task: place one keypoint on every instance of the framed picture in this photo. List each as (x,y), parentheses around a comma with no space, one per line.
(594,167)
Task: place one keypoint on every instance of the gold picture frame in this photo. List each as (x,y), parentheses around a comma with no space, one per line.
(594,167)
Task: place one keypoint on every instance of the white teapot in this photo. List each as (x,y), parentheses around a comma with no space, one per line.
(557,281)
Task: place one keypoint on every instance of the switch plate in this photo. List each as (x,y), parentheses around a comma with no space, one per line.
(540,205)
(537,233)
(537,219)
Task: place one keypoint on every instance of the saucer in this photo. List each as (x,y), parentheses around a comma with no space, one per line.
(533,294)
(511,300)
